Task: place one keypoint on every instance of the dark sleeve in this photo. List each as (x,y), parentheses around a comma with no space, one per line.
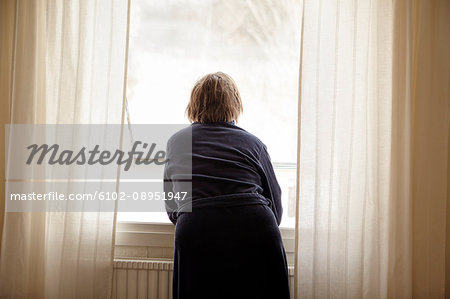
(170,205)
(271,188)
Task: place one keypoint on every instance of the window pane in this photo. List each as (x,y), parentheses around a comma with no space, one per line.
(174,43)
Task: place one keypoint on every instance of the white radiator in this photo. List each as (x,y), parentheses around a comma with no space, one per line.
(150,279)
(139,279)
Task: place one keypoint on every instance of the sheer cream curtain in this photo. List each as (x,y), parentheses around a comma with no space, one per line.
(67,67)
(374,125)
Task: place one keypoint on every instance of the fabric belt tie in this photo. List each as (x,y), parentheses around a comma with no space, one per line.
(231,200)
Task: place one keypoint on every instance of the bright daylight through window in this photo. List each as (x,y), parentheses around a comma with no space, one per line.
(174,43)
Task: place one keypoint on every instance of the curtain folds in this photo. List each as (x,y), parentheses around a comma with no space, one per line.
(373,168)
(68,62)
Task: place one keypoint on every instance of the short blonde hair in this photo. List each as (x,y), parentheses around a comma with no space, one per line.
(215,97)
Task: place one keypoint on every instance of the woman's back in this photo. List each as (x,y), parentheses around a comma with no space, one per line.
(226,161)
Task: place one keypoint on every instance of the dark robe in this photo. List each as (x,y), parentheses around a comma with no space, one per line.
(230,245)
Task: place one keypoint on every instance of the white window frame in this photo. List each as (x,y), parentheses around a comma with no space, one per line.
(155,241)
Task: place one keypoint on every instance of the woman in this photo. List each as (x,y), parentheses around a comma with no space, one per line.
(229,246)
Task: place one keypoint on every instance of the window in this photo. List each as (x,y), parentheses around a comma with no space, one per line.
(174,43)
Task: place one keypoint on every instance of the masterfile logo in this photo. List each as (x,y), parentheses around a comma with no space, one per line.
(91,157)
(94,167)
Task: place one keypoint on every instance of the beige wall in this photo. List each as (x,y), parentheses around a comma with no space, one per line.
(447,241)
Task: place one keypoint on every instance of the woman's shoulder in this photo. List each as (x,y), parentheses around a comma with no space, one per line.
(251,138)
(216,132)
(182,135)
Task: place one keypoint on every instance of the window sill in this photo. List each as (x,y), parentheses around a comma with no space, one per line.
(154,241)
